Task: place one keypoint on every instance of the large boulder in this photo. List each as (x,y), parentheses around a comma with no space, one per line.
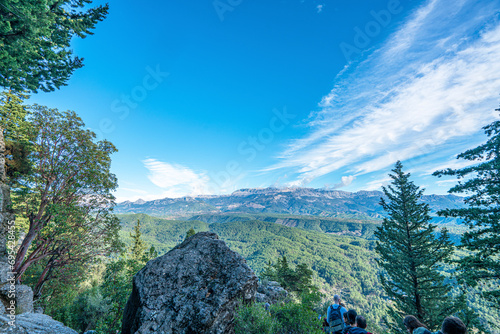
(194,288)
(32,323)
(270,292)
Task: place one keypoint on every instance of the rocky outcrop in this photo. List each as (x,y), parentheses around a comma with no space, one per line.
(194,288)
(270,292)
(33,323)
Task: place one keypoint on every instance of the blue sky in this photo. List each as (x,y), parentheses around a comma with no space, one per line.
(206,97)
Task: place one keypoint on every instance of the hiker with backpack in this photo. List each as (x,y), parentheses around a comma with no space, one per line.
(335,316)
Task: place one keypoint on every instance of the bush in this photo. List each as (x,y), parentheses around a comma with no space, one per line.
(288,318)
(295,318)
(254,319)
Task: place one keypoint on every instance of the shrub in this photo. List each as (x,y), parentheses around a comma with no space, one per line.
(254,319)
(296,318)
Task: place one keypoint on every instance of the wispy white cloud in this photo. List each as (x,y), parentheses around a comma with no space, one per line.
(344,181)
(319,8)
(176,180)
(434,81)
(378,183)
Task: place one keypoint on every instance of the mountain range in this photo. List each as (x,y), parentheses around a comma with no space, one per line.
(288,201)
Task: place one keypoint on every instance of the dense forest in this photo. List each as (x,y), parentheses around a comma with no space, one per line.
(340,263)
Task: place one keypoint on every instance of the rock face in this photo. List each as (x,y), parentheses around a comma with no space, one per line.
(194,288)
(33,323)
(270,292)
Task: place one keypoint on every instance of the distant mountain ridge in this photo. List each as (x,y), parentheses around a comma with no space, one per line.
(293,201)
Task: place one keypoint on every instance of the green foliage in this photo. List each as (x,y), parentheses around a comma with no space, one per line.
(138,245)
(87,310)
(293,280)
(78,305)
(410,255)
(343,263)
(481,182)
(67,199)
(14,126)
(254,319)
(117,280)
(295,318)
(190,232)
(100,301)
(342,225)
(161,233)
(12,115)
(35,39)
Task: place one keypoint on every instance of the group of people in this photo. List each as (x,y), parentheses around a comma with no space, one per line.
(341,321)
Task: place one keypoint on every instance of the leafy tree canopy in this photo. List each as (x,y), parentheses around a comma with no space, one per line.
(67,198)
(15,133)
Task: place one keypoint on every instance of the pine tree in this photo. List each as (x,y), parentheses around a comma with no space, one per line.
(190,233)
(482,183)
(117,280)
(138,248)
(35,39)
(410,254)
(294,280)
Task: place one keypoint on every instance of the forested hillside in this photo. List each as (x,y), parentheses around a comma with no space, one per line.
(340,263)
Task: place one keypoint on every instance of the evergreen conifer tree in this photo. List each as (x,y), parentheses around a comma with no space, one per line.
(35,39)
(190,233)
(482,183)
(138,248)
(410,254)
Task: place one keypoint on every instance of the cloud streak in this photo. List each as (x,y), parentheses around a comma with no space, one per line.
(176,180)
(433,82)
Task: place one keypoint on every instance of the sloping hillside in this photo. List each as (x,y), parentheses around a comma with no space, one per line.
(340,263)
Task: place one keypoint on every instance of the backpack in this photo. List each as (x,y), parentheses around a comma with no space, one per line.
(336,322)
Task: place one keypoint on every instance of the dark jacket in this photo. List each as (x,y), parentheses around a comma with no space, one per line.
(346,329)
(356,330)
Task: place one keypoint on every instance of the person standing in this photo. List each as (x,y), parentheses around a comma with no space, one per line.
(335,316)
